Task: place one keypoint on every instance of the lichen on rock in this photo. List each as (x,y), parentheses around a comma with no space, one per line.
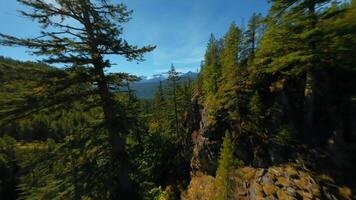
(286,182)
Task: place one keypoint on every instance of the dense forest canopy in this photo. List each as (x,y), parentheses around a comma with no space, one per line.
(271,114)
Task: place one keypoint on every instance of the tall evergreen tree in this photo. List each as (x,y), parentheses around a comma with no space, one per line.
(83,47)
(198,86)
(229,71)
(210,75)
(186,111)
(211,70)
(251,38)
(160,104)
(291,47)
(224,175)
(173,78)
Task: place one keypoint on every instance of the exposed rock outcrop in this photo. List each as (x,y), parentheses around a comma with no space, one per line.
(286,182)
(205,146)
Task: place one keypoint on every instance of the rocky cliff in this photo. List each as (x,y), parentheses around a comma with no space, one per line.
(302,172)
(291,181)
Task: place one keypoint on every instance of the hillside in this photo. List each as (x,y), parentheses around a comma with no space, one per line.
(13,72)
(270,115)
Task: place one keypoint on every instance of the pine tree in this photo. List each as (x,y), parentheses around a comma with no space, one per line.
(186,111)
(173,78)
(160,104)
(224,174)
(291,48)
(257,115)
(8,167)
(227,92)
(211,70)
(339,30)
(82,48)
(199,88)
(210,74)
(251,38)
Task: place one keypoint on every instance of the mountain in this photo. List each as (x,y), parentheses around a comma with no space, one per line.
(147,86)
(12,71)
(153,78)
(190,74)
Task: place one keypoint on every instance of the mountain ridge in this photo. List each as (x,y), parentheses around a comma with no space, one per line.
(147,87)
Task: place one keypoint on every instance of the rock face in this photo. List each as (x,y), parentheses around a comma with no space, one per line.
(286,182)
(204,157)
(273,174)
(205,146)
(207,137)
(201,187)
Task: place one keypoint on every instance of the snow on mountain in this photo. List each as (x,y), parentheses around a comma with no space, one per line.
(147,86)
(164,76)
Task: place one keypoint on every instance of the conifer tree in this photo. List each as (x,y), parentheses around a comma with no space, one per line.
(211,70)
(224,174)
(186,112)
(159,101)
(251,38)
(229,71)
(173,78)
(210,75)
(291,47)
(256,115)
(82,47)
(198,88)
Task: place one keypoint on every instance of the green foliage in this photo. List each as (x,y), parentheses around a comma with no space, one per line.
(283,136)
(277,79)
(210,75)
(173,78)
(8,168)
(251,39)
(338,27)
(211,70)
(229,72)
(292,43)
(157,153)
(256,117)
(58,170)
(299,43)
(224,182)
(156,194)
(162,157)
(98,33)
(159,194)
(79,140)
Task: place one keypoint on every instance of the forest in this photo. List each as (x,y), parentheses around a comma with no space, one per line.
(271,114)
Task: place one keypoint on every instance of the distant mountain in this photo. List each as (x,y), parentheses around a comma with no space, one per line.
(153,78)
(11,71)
(164,76)
(192,75)
(147,86)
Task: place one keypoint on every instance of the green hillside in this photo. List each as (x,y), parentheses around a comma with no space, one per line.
(271,114)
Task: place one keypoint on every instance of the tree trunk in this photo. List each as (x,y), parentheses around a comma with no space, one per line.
(115,140)
(309,90)
(175,107)
(309,99)
(75,179)
(121,186)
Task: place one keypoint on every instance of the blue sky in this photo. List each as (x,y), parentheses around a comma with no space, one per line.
(179,28)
